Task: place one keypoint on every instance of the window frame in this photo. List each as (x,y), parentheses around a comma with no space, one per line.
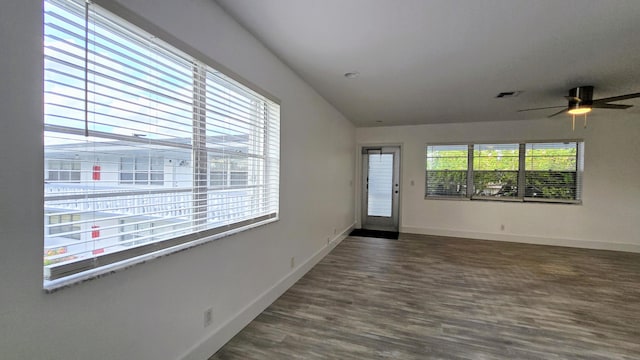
(521,173)
(469,149)
(73,175)
(69,224)
(269,190)
(474,171)
(142,165)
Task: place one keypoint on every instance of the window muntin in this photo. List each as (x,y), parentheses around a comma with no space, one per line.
(535,171)
(137,111)
(447,167)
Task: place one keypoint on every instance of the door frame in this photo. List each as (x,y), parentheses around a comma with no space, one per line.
(359,182)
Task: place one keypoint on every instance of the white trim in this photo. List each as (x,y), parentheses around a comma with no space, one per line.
(537,240)
(222,334)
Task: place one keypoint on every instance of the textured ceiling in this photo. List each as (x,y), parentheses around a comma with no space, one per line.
(439,61)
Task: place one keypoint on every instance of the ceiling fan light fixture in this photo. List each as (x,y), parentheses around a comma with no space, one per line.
(579,110)
(581,102)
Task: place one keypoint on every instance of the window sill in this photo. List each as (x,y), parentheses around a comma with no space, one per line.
(553,201)
(498,198)
(507,200)
(454,198)
(51,286)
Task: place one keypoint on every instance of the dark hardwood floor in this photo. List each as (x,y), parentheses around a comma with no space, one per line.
(426,297)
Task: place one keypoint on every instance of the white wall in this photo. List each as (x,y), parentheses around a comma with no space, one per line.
(155,310)
(609,217)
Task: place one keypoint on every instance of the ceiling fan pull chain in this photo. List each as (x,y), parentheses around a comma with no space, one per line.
(585,121)
(573,123)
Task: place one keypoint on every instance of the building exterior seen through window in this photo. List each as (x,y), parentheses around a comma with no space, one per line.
(229,172)
(62,170)
(142,170)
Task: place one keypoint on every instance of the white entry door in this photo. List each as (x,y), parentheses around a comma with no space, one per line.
(380,188)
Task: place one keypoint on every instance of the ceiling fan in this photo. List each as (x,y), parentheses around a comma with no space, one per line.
(581,102)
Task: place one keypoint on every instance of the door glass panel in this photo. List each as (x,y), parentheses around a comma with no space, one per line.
(380,184)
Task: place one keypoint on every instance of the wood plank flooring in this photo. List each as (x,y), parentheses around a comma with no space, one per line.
(426,297)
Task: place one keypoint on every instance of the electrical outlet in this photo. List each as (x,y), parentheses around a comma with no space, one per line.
(293,262)
(208,317)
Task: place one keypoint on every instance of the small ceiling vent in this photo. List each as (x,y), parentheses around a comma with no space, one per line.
(508,94)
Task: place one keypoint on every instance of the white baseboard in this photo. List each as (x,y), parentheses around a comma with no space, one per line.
(585,244)
(229,329)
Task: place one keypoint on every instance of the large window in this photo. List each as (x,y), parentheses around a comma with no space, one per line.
(495,170)
(447,167)
(544,171)
(551,171)
(171,151)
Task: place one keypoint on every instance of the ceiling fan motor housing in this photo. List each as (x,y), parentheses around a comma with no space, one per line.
(582,96)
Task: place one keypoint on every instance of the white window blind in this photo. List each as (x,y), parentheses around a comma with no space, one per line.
(380,184)
(495,170)
(447,167)
(551,171)
(148,126)
(531,171)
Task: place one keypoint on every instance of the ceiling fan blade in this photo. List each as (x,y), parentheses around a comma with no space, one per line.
(542,108)
(616,98)
(558,113)
(611,106)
